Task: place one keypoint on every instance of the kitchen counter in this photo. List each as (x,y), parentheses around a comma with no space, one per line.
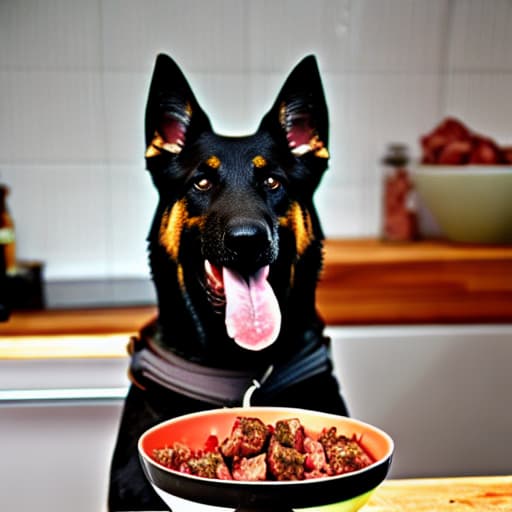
(364,282)
(368,282)
(483,494)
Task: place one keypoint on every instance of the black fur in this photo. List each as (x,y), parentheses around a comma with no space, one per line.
(238,213)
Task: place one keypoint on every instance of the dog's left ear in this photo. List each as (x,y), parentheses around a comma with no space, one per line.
(300,112)
(173,115)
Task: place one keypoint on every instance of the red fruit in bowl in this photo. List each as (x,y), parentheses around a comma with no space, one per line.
(507,154)
(453,129)
(434,144)
(455,153)
(485,151)
(452,143)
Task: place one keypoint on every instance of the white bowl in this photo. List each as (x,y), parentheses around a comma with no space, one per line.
(470,203)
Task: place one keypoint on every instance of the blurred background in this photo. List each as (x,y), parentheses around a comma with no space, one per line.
(74,78)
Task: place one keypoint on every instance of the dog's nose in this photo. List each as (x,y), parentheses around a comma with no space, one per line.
(248,239)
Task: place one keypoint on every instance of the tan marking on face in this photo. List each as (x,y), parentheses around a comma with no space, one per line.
(196,221)
(171,228)
(292,275)
(213,162)
(181,278)
(299,221)
(259,161)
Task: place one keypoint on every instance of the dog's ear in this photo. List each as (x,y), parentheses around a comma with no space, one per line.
(173,115)
(300,112)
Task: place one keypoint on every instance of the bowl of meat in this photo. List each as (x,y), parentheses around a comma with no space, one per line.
(265,459)
(465,182)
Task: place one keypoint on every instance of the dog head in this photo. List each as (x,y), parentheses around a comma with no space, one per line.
(235,245)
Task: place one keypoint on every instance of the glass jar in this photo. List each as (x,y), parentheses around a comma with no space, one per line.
(399,216)
(7,234)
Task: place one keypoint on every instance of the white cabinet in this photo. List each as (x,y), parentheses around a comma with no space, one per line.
(442,392)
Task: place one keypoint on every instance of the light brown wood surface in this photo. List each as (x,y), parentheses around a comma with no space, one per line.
(65,322)
(369,282)
(463,494)
(364,282)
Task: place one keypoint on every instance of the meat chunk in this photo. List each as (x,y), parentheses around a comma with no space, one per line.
(290,433)
(173,457)
(250,469)
(343,454)
(209,465)
(315,456)
(285,463)
(248,437)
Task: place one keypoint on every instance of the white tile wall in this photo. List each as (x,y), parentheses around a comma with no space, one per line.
(393,36)
(74,77)
(485,99)
(51,117)
(50,35)
(480,36)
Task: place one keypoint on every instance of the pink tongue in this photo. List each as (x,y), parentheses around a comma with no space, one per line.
(253,317)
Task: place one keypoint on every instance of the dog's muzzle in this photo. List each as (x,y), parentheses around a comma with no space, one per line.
(237,267)
(248,245)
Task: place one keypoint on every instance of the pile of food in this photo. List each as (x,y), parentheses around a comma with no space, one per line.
(453,143)
(254,451)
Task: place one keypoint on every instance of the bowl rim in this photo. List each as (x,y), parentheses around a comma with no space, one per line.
(466,169)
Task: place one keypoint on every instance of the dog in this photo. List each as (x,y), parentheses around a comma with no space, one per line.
(236,251)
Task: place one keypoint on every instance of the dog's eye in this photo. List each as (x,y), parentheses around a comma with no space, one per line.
(203,185)
(271,183)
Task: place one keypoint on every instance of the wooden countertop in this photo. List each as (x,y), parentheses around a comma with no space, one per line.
(481,494)
(370,282)
(364,282)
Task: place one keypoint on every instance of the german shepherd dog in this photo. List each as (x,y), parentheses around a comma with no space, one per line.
(235,251)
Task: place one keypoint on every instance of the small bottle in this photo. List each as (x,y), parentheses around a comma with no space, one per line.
(399,223)
(7,234)
(4,308)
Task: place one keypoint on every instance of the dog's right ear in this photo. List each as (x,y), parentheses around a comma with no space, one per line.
(173,115)
(300,112)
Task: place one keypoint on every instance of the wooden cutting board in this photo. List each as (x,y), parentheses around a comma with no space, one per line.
(463,494)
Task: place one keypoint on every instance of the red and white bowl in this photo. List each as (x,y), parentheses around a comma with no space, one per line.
(189,493)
